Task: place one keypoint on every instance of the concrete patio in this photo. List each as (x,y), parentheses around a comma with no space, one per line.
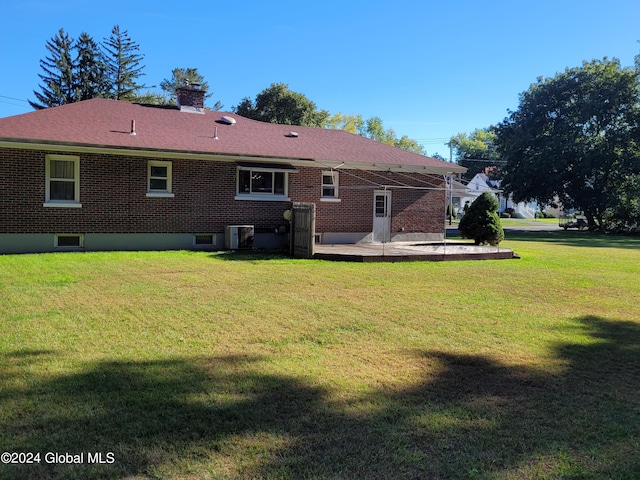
(410,252)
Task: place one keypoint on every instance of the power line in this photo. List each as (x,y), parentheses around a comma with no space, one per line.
(483,160)
(12,98)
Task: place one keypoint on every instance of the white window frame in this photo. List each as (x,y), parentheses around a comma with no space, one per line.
(165,193)
(335,177)
(284,197)
(49,202)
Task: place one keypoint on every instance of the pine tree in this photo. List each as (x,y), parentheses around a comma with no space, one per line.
(59,86)
(481,222)
(122,64)
(90,69)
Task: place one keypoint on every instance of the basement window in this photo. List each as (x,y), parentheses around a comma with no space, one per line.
(69,241)
(203,240)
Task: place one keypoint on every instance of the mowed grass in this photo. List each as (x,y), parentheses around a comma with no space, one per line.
(224,366)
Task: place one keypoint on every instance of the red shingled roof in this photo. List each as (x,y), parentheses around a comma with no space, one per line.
(103,123)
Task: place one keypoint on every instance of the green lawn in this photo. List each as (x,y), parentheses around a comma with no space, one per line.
(186,365)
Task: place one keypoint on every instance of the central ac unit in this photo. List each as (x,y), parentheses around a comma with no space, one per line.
(238,237)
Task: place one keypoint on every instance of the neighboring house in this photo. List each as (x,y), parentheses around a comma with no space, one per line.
(111,175)
(482,183)
(459,196)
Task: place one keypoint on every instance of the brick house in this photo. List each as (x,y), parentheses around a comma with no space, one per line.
(110,175)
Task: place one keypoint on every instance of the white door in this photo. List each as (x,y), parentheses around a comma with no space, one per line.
(381,216)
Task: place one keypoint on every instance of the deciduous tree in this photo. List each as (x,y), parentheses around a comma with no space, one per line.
(278,104)
(350,123)
(574,138)
(476,152)
(374,129)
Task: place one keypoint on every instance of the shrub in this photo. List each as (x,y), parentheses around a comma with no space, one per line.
(481,222)
(505,215)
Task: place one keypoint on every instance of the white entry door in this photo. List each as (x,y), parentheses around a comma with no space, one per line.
(381,216)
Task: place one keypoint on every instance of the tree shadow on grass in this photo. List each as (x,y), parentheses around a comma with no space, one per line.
(250,255)
(471,417)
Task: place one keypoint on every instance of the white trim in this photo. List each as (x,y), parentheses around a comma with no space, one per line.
(167,193)
(60,204)
(335,183)
(159,194)
(330,199)
(75,203)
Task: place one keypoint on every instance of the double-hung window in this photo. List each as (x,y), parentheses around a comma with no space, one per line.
(262,183)
(159,179)
(330,186)
(62,187)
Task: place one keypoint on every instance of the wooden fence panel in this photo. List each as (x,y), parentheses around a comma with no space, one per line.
(303,228)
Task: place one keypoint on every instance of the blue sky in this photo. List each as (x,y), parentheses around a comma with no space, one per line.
(428,69)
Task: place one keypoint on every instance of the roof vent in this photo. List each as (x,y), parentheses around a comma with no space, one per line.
(227,120)
(292,134)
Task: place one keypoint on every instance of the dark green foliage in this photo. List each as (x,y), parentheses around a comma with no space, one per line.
(574,141)
(123,64)
(90,69)
(181,77)
(278,104)
(477,153)
(83,69)
(481,222)
(59,86)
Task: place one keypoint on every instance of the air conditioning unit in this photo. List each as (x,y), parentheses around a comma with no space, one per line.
(237,237)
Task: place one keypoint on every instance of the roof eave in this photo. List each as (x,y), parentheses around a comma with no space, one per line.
(444,169)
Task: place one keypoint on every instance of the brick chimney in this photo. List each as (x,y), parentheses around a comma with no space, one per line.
(190,99)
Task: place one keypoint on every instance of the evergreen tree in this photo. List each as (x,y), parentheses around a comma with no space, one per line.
(181,77)
(122,64)
(59,86)
(90,70)
(481,222)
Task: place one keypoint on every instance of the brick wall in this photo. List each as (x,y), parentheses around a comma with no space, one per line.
(113,197)
(190,97)
(420,210)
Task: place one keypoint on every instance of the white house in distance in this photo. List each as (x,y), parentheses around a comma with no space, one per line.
(482,183)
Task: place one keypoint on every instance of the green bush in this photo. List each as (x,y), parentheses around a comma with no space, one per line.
(505,215)
(481,222)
